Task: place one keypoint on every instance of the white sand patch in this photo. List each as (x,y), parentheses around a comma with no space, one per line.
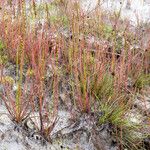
(138,11)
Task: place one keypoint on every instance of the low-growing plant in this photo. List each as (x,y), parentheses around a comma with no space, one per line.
(16,102)
(3,56)
(7,79)
(112,113)
(127,133)
(1,45)
(104,87)
(142,81)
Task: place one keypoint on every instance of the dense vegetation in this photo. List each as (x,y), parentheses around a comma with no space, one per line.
(97,60)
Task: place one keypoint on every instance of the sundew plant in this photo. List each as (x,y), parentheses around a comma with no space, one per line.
(96,56)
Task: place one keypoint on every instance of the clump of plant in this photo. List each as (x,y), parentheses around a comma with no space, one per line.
(142,81)
(26,42)
(127,133)
(1,45)
(16,100)
(107,31)
(7,79)
(104,87)
(112,113)
(3,56)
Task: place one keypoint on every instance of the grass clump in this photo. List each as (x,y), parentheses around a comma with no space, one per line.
(1,45)
(112,114)
(107,31)
(127,133)
(103,89)
(3,56)
(142,81)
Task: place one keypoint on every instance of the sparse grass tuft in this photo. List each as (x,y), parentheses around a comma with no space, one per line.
(142,81)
